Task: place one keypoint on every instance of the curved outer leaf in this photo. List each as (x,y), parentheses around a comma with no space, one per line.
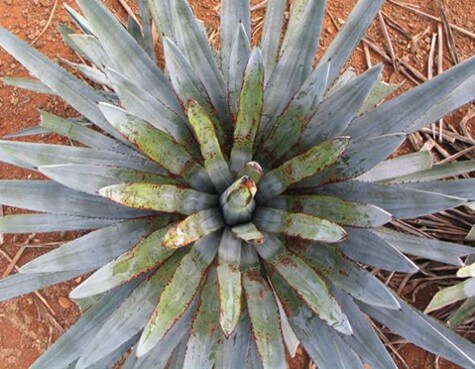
(378,93)
(81,134)
(161,14)
(87,46)
(20,284)
(193,228)
(331,118)
(364,340)
(345,275)
(7,157)
(464,312)
(121,48)
(291,341)
(143,257)
(445,252)
(178,356)
(253,360)
(367,248)
(50,197)
(303,166)
(205,331)
(229,281)
(320,341)
(263,311)
(141,103)
(193,42)
(232,352)
(289,125)
(38,155)
(72,176)
(270,39)
(28,84)
(178,294)
(158,146)
(332,208)
(233,15)
(92,73)
(295,63)
(42,223)
(357,159)
(424,332)
(130,317)
(188,86)
(350,36)
(439,172)
(161,353)
(110,360)
(249,114)
(400,166)
(421,105)
(166,198)
(452,294)
(308,284)
(297,16)
(400,201)
(94,249)
(71,344)
(76,93)
(238,60)
(299,225)
(214,160)
(464,188)
(80,21)
(30,131)
(147,29)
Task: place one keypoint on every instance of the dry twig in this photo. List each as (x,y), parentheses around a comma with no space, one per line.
(367,55)
(259,6)
(440,69)
(430,67)
(395,25)
(389,44)
(48,23)
(449,35)
(13,262)
(452,26)
(37,294)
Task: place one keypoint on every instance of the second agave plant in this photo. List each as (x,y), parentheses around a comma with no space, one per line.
(235,197)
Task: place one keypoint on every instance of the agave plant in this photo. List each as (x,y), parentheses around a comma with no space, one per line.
(235,197)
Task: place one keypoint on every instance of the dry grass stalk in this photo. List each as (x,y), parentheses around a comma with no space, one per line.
(430,67)
(48,23)
(387,38)
(440,68)
(449,35)
(452,26)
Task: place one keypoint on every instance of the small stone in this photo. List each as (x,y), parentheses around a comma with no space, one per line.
(9,2)
(42,23)
(64,302)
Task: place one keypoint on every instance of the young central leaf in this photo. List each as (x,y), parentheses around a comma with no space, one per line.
(237,202)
